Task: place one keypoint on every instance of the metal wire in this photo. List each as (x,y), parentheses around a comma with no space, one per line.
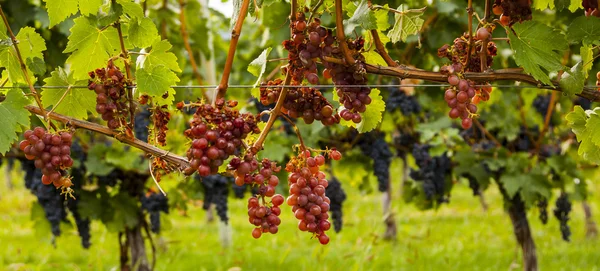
(303,86)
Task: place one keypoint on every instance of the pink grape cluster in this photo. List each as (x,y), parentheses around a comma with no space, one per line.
(51,152)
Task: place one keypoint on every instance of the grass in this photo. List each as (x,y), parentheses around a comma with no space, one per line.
(458,236)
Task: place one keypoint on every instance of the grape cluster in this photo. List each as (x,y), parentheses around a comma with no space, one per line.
(561,212)
(463,95)
(337,196)
(154,203)
(473,184)
(408,104)
(160,119)
(48,197)
(111,101)
(51,153)
(541,104)
(307,103)
(309,41)
(216,191)
(591,8)
(216,133)
(512,11)
(543,207)
(142,122)
(373,145)
(262,176)
(432,173)
(307,185)
(404,141)
(354,99)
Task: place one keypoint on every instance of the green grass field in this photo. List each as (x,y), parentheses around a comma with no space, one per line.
(458,236)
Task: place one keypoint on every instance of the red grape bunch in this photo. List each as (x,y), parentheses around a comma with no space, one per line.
(111,101)
(307,193)
(216,133)
(591,8)
(52,154)
(306,103)
(260,214)
(512,11)
(463,95)
(160,119)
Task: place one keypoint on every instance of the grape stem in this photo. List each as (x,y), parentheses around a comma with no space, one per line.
(179,161)
(258,145)
(487,133)
(302,146)
(339,30)
(235,36)
(154,178)
(313,11)
(15,43)
(186,43)
(379,47)
(125,56)
(470,29)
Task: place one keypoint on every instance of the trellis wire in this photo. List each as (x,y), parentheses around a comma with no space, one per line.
(303,86)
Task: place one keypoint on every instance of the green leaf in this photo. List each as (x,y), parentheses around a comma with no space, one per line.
(12,117)
(95,163)
(76,102)
(155,81)
(89,7)
(575,5)
(142,32)
(10,61)
(537,46)
(513,182)
(158,55)
(362,17)
(382,18)
(257,68)
(572,81)
(407,23)
(587,58)
(372,116)
(374,58)
(584,29)
(543,4)
(90,46)
(36,65)
(586,126)
(59,10)
(132,9)
(31,44)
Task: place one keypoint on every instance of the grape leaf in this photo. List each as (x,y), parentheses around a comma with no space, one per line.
(543,4)
(584,29)
(59,10)
(31,44)
(76,103)
(257,68)
(575,5)
(36,65)
(132,9)
(572,81)
(586,126)
(90,47)
(9,60)
(12,117)
(89,7)
(407,23)
(155,81)
(158,55)
(373,58)
(381,15)
(537,46)
(142,32)
(372,116)
(362,17)
(587,58)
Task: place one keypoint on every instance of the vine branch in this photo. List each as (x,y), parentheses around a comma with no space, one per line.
(179,161)
(257,146)
(379,47)
(339,30)
(235,36)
